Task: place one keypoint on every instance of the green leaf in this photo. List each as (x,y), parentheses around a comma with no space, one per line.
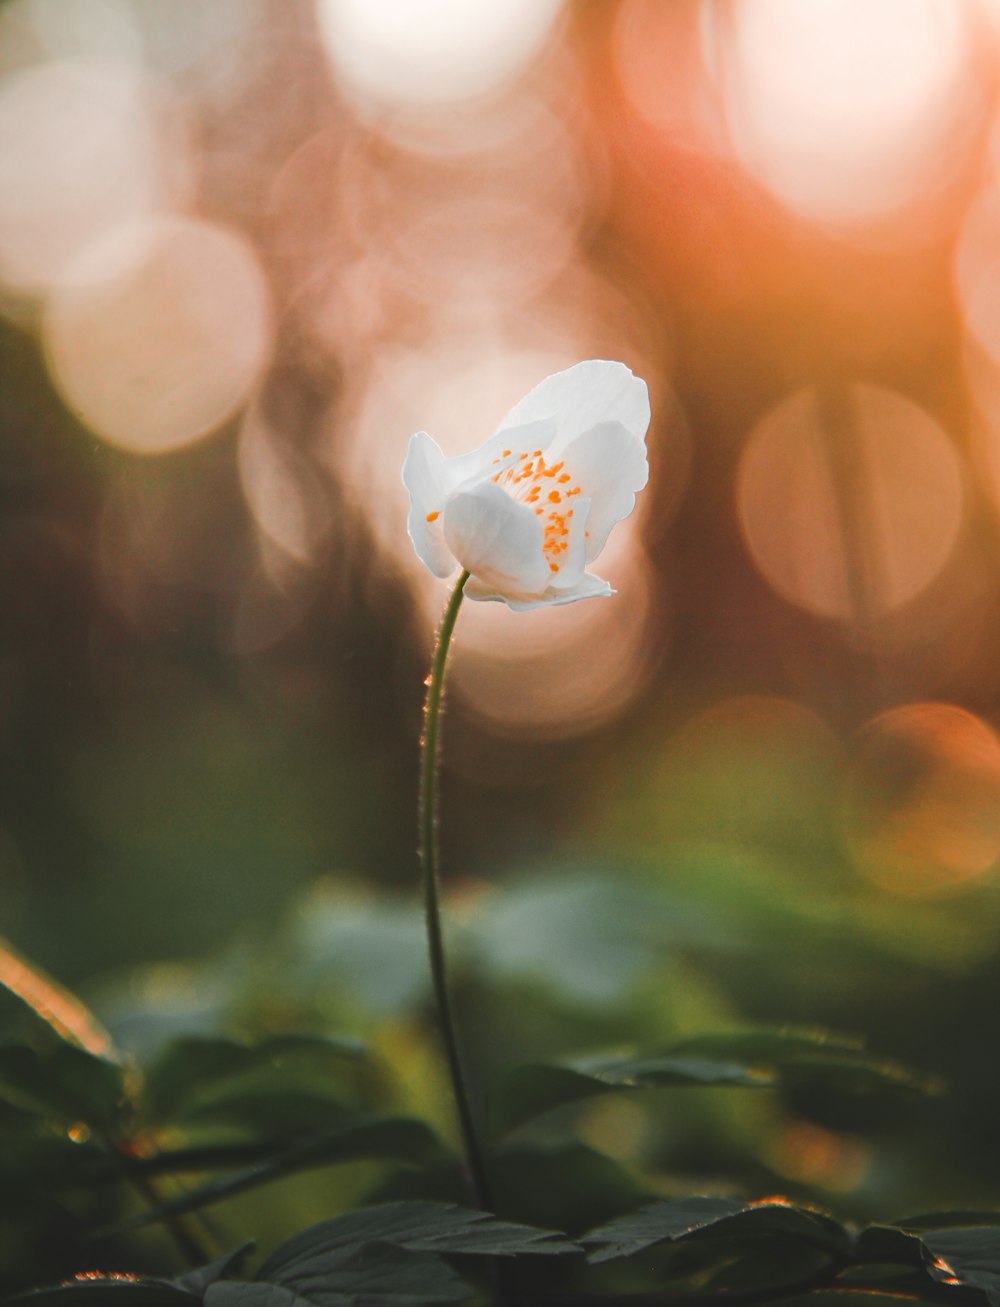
(568,1185)
(65,1084)
(750,1059)
(528,1091)
(198,1280)
(392,1138)
(208,1157)
(847,1295)
(197,1078)
(586,935)
(684,1218)
(243,1293)
(51,1161)
(795,1053)
(656,1223)
(419,1227)
(110,1290)
(887,1244)
(949,1220)
(772,1044)
(969,1256)
(370,1274)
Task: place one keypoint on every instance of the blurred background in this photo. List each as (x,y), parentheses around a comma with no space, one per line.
(248,247)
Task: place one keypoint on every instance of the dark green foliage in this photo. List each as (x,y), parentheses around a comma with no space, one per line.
(64,1084)
(112,1291)
(199,1279)
(762,1059)
(291,1078)
(226,1118)
(696,1217)
(393,1138)
(529,1091)
(387,1254)
(419,1227)
(969,1256)
(369,1273)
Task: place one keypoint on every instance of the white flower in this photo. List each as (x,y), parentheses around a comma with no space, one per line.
(527,512)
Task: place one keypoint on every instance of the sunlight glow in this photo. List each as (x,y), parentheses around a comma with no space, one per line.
(432,50)
(845,109)
(922,808)
(160,333)
(811,1154)
(79,153)
(282,489)
(548,674)
(55,1005)
(660,64)
(850,501)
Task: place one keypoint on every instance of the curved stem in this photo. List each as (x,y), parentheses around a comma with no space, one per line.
(430,867)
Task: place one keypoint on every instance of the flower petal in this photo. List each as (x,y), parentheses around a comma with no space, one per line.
(608,463)
(483,462)
(588,587)
(573,560)
(497,539)
(425,478)
(595,391)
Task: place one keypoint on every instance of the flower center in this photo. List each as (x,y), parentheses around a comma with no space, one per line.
(549,489)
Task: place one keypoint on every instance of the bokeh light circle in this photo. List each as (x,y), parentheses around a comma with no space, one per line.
(79,154)
(160,333)
(660,64)
(846,110)
(547,674)
(432,51)
(922,805)
(282,489)
(850,501)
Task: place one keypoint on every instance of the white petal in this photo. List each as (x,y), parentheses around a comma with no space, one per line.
(588,587)
(497,539)
(574,560)
(425,478)
(609,465)
(597,390)
(467,469)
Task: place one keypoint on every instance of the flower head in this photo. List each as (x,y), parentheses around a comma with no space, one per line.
(527,512)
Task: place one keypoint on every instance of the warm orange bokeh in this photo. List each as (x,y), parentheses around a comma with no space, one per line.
(281,244)
(922,809)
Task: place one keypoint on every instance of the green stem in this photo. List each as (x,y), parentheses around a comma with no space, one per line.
(188,1243)
(430,867)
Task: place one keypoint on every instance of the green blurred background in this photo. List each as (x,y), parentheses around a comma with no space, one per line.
(246,249)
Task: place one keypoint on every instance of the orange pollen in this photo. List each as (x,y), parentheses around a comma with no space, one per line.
(433,517)
(523,478)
